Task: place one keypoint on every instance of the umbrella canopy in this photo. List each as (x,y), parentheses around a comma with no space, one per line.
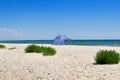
(59,40)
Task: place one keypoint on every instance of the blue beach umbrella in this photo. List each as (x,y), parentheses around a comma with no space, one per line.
(59,40)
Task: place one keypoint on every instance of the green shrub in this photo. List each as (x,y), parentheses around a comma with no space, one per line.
(107,57)
(2,46)
(12,48)
(33,48)
(49,51)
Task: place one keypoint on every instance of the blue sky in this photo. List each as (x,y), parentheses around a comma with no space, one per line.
(44,19)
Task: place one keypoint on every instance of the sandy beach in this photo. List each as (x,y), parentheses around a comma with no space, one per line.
(70,63)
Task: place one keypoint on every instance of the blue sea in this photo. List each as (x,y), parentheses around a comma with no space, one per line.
(69,42)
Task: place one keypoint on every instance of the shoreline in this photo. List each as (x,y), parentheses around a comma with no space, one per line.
(71,42)
(57,45)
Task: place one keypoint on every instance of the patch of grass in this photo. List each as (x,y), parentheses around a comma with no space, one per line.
(12,48)
(47,51)
(107,57)
(33,48)
(2,46)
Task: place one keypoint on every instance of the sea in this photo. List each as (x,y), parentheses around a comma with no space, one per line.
(68,42)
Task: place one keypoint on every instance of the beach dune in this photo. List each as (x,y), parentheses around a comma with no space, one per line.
(71,62)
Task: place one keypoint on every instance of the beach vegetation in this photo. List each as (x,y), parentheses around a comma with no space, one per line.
(47,51)
(2,46)
(12,48)
(33,48)
(107,57)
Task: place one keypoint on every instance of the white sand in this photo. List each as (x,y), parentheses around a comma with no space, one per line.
(69,63)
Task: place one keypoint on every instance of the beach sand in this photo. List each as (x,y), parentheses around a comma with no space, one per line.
(70,63)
